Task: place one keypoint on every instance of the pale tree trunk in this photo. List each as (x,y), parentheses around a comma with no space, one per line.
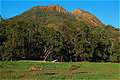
(48,51)
(47,55)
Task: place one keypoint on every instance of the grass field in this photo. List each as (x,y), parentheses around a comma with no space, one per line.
(28,70)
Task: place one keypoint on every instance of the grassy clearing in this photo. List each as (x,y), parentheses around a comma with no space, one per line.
(28,70)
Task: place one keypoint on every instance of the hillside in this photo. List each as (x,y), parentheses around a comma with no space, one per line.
(53,33)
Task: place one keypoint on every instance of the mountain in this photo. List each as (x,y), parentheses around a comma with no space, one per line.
(54,10)
(51,32)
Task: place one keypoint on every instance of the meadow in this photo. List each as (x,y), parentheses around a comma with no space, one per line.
(37,70)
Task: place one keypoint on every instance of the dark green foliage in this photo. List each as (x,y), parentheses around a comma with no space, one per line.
(38,36)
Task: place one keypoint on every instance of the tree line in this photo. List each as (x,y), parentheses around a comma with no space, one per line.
(26,40)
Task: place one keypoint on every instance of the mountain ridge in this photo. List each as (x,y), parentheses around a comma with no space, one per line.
(78,14)
(51,7)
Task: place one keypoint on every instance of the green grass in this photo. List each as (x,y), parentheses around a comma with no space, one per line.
(59,71)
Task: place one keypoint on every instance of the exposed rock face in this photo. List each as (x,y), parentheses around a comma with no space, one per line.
(52,8)
(80,15)
(77,12)
(87,17)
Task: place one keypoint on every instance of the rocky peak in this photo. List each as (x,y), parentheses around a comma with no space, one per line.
(87,17)
(52,8)
(79,14)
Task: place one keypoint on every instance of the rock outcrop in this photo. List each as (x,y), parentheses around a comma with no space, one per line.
(86,17)
(51,8)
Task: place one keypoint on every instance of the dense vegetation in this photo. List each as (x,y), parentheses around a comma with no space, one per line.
(38,35)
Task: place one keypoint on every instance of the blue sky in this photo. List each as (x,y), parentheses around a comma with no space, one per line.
(105,10)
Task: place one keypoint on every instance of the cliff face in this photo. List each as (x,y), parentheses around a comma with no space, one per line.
(86,17)
(52,8)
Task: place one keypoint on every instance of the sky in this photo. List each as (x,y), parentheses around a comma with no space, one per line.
(105,10)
